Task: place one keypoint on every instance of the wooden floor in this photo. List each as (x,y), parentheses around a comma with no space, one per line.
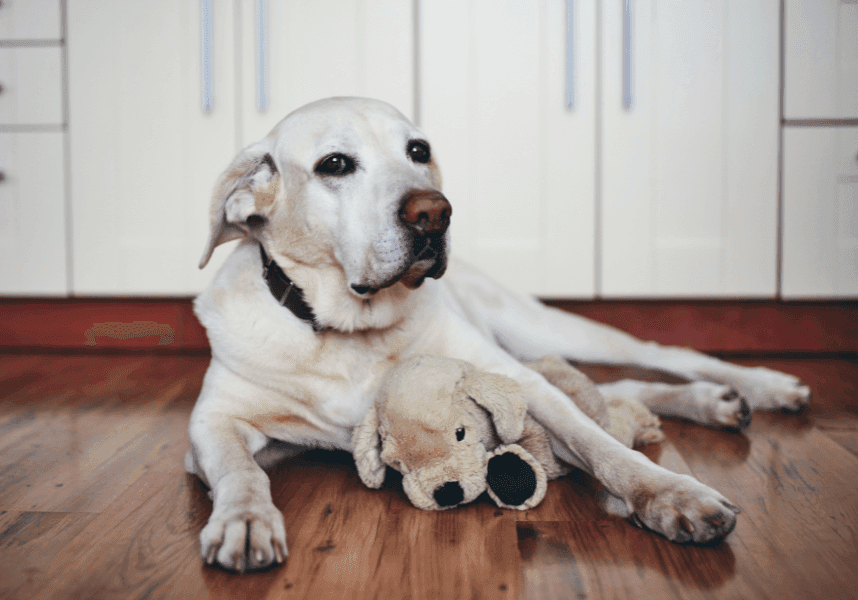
(94,503)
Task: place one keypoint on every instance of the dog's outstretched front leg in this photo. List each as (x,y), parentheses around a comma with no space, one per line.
(676,506)
(245,530)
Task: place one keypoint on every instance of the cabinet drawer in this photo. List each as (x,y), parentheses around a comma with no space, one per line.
(30,20)
(32,214)
(31,79)
(821,59)
(820,198)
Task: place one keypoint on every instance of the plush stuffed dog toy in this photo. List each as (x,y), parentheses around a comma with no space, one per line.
(454,432)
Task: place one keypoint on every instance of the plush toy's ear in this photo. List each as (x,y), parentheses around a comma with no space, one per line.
(515,478)
(503,398)
(367,450)
(243,197)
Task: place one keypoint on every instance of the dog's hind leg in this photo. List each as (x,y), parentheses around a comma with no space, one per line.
(701,401)
(529,330)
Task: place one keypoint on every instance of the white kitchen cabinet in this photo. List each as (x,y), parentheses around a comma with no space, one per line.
(33,207)
(145,155)
(32,214)
(820,195)
(682,200)
(518,164)
(313,49)
(821,59)
(689,168)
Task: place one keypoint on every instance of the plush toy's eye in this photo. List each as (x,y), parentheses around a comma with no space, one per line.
(460,434)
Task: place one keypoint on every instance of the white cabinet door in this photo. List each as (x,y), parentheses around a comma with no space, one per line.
(518,164)
(314,49)
(821,59)
(820,212)
(689,170)
(32,214)
(145,156)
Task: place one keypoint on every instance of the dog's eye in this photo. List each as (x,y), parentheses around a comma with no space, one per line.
(336,165)
(460,434)
(419,151)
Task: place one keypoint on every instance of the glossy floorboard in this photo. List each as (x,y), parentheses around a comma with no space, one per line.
(94,503)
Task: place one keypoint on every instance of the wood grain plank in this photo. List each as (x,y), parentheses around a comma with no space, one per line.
(796,537)
(75,438)
(29,544)
(144,545)
(613,559)
(348,541)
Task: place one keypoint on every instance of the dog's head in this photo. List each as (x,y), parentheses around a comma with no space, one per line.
(347,185)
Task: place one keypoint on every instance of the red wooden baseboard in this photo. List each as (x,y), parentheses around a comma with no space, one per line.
(169,325)
(92,324)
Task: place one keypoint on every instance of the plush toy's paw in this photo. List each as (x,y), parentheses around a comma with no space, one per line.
(515,478)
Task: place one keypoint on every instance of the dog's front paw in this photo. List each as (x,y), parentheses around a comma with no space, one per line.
(244,538)
(768,389)
(683,510)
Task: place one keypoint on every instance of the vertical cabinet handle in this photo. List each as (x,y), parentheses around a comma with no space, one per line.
(261,56)
(570,63)
(627,54)
(206,30)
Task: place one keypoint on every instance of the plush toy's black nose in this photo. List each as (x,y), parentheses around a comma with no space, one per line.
(449,494)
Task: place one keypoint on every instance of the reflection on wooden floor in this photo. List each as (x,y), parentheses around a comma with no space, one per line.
(94,503)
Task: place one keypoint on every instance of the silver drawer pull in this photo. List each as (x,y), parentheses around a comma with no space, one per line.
(261,56)
(627,54)
(570,63)
(206,12)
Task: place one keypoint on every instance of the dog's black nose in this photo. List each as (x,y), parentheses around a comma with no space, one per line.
(449,494)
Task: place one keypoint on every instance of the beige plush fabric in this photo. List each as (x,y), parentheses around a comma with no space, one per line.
(440,422)
(627,420)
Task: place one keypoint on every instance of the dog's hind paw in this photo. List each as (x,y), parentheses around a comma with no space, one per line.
(771,390)
(683,510)
(244,539)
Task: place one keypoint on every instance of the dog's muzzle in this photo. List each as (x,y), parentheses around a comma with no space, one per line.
(426,215)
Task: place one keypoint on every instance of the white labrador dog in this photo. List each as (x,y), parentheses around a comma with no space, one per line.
(345,239)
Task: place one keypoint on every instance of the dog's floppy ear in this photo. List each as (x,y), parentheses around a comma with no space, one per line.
(243,197)
(367,450)
(503,398)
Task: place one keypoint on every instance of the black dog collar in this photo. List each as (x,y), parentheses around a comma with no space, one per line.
(286,292)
